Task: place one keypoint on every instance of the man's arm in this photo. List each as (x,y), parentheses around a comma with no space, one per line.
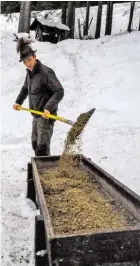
(23,93)
(53,84)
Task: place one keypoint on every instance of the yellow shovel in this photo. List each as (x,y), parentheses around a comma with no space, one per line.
(69,122)
(85,117)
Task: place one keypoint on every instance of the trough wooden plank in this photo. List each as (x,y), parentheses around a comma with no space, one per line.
(30,184)
(73,262)
(43,209)
(41,201)
(122,246)
(40,242)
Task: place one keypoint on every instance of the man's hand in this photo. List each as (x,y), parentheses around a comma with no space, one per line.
(46,112)
(15,106)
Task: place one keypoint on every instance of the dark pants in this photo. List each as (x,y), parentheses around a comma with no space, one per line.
(42,131)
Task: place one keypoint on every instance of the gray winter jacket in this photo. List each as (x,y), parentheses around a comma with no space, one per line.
(43,88)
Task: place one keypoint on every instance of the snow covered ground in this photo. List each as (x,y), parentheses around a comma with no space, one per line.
(100,73)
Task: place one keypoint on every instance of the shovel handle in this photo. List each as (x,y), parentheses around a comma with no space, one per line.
(69,122)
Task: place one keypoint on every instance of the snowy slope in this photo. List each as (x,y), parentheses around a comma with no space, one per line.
(101,73)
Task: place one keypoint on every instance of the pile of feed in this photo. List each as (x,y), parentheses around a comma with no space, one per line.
(72,197)
(75,132)
(74,203)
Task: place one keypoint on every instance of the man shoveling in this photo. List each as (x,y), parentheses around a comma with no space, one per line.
(44,91)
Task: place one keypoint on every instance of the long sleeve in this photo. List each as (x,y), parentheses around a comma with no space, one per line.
(23,93)
(53,84)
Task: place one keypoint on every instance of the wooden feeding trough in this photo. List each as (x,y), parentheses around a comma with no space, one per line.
(107,248)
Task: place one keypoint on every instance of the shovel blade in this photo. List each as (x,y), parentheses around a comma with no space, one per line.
(79,125)
(89,113)
(83,118)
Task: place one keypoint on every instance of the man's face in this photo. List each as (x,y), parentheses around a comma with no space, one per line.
(30,62)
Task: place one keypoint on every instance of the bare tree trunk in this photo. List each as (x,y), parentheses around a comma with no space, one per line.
(139,25)
(25,16)
(131,16)
(99,19)
(87,19)
(79,27)
(70,20)
(64,12)
(73,26)
(109,18)
(21,18)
